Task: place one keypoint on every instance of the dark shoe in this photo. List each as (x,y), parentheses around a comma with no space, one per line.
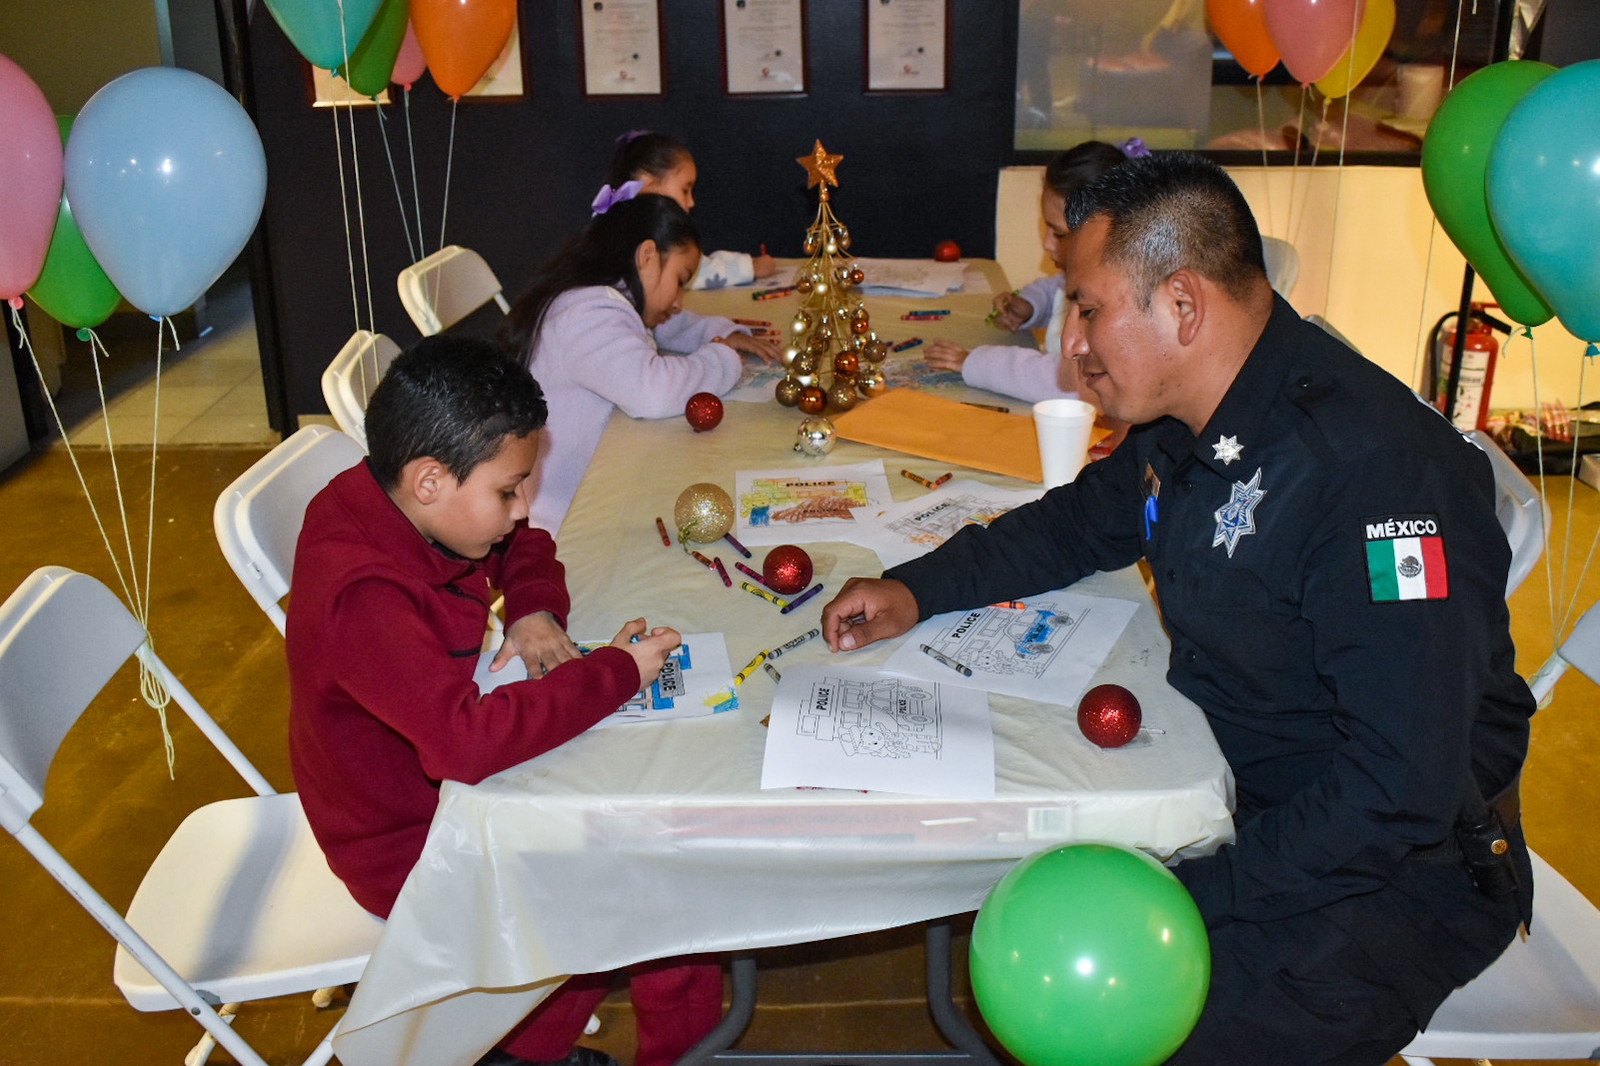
(578,1056)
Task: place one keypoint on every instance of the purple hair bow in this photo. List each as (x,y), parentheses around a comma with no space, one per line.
(1134,148)
(607,197)
(631,136)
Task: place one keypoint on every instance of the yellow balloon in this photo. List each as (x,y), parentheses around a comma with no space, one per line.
(1377,26)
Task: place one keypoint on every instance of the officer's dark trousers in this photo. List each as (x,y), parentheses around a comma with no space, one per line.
(1349,984)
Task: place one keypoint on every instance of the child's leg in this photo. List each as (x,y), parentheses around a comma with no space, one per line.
(549,1032)
(676,1002)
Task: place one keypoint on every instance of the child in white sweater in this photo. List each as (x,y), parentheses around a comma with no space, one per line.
(584,330)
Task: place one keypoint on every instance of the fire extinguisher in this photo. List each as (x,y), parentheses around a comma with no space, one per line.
(1469,408)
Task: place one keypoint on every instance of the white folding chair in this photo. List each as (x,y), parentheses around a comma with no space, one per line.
(258,517)
(446,287)
(1523,513)
(240,904)
(348,382)
(1283,264)
(1541,999)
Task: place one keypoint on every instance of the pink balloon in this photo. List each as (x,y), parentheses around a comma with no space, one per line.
(1312,35)
(30,177)
(410,64)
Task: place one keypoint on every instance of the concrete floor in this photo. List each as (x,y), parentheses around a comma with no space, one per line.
(111,804)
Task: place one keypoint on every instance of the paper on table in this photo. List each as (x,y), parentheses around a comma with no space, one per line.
(1048,651)
(915,527)
(910,277)
(697,681)
(834,727)
(808,503)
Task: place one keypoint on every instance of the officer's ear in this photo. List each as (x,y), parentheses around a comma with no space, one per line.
(1186,298)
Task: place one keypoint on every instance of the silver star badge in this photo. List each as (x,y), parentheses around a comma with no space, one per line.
(1237,517)
(1228,449)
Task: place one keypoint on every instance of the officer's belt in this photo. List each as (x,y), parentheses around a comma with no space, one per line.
(1507,803)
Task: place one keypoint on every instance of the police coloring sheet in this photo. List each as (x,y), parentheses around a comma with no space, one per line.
(844,727)
(808,503)
(1046,648)
(915,527)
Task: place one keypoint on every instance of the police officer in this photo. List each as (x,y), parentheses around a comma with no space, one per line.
(1332,576)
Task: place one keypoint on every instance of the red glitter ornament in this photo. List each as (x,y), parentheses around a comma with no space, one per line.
(1109,715)
(704,411)
(947,251)
(786,569)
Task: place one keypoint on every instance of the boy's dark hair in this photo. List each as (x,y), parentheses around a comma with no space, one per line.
(454,399)
(601,254)
(642,152)
(1170,212)
(1081,164)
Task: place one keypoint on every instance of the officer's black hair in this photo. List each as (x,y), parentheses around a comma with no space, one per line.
(1170,212)
(454,399)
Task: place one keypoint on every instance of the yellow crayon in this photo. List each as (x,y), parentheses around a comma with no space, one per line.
(763,593)
(750,668)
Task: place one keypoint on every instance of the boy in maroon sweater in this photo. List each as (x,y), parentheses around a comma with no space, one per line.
(393,578)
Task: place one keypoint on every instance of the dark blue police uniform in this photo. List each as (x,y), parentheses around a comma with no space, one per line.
(1332,576)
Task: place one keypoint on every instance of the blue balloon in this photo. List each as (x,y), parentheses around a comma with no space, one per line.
(312,26)
(1543,187)
(166,176)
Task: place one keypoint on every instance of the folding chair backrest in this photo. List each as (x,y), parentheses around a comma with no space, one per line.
(258,517)
(1522,512)
(446,287)
(348,382)
(1283,264)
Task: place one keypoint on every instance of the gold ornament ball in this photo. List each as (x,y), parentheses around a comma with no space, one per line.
(842,394)
(857,276)
(812,401)
(805,362)
(811,246)
(877,350)
(788,392)
(846,363)
(802,321)
(788,357)
(860,326)
(870,382)
(704,512)
(815,437)
(858,345)
(843,237)
(804,284)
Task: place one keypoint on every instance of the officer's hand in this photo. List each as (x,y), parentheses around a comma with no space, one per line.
(868,610)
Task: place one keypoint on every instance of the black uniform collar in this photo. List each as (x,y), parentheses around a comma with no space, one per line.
(1241,416)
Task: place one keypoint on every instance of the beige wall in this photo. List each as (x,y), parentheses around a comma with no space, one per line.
(72,47)
(1363,234)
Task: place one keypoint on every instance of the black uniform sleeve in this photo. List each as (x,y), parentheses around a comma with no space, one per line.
(1091,524)
(1409,680)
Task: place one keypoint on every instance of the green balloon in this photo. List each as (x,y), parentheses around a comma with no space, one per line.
(372,62)
(1090,955)
(1455,164)
(72,289)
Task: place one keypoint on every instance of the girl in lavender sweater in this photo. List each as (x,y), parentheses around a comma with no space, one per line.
(584,330)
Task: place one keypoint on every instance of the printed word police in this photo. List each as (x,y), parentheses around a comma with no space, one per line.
(1413,527)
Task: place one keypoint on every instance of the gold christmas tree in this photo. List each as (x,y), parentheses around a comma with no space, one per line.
(833,353)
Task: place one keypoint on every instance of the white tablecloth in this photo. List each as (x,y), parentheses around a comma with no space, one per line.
(654,840)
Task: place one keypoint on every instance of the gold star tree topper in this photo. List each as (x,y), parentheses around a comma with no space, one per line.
(820,168)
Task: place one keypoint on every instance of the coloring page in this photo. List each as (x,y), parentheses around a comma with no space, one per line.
(915,527)
(808,503)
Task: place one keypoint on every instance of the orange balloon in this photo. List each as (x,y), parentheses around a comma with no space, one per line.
(462,38)
(1241,26)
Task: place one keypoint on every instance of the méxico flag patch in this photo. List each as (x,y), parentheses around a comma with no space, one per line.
(1405,558)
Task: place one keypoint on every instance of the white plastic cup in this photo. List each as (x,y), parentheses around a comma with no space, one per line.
(1063,427)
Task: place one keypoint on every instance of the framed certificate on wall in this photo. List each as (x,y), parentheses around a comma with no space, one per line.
(908,45)
(621,54)
(763,47)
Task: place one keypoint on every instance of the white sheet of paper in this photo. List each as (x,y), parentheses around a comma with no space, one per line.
(910,277)
(697,681)
(1048,651)
(913,528)
(843,727)
(810,502)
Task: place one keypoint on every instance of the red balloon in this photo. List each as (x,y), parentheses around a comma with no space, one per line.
(704,411)
(1109,715)
(462,38)
(786,569)
(1312,35)
(947,251)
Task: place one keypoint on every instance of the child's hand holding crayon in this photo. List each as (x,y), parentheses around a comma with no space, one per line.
(649,651)
(1010,311)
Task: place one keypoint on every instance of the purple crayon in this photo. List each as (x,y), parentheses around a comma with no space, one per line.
(803,597)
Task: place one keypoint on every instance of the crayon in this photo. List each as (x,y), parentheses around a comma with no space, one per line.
(661,527)
(743,569)
(992,315)
(763,593)
(1011,605)
(803,597)
(940,656)
(776,677)
(924,482)
(903,345)
(740,548)
(793,644)
(744,675)
(707,563)
(759,322)
(987,406)
(942,478)
(772,294)
(722,572)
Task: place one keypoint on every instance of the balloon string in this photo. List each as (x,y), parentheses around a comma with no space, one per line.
(416,193)
(1294,175)
(1544,490)
(1572,487)
(394,175)
(116,479)
(449,162)
(1455,46)
(344,211)
(355,166)
(1261,123)
(151,686)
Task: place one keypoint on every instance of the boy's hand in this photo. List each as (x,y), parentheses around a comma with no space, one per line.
(650,652)
(946,355)
(868,610)
(764,350)
(541,642)
(1011,311)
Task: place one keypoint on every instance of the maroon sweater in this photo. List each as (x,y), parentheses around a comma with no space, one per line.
(383,636)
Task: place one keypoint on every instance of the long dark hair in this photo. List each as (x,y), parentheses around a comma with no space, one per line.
(644,152)
(602,253)
(1081,164)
